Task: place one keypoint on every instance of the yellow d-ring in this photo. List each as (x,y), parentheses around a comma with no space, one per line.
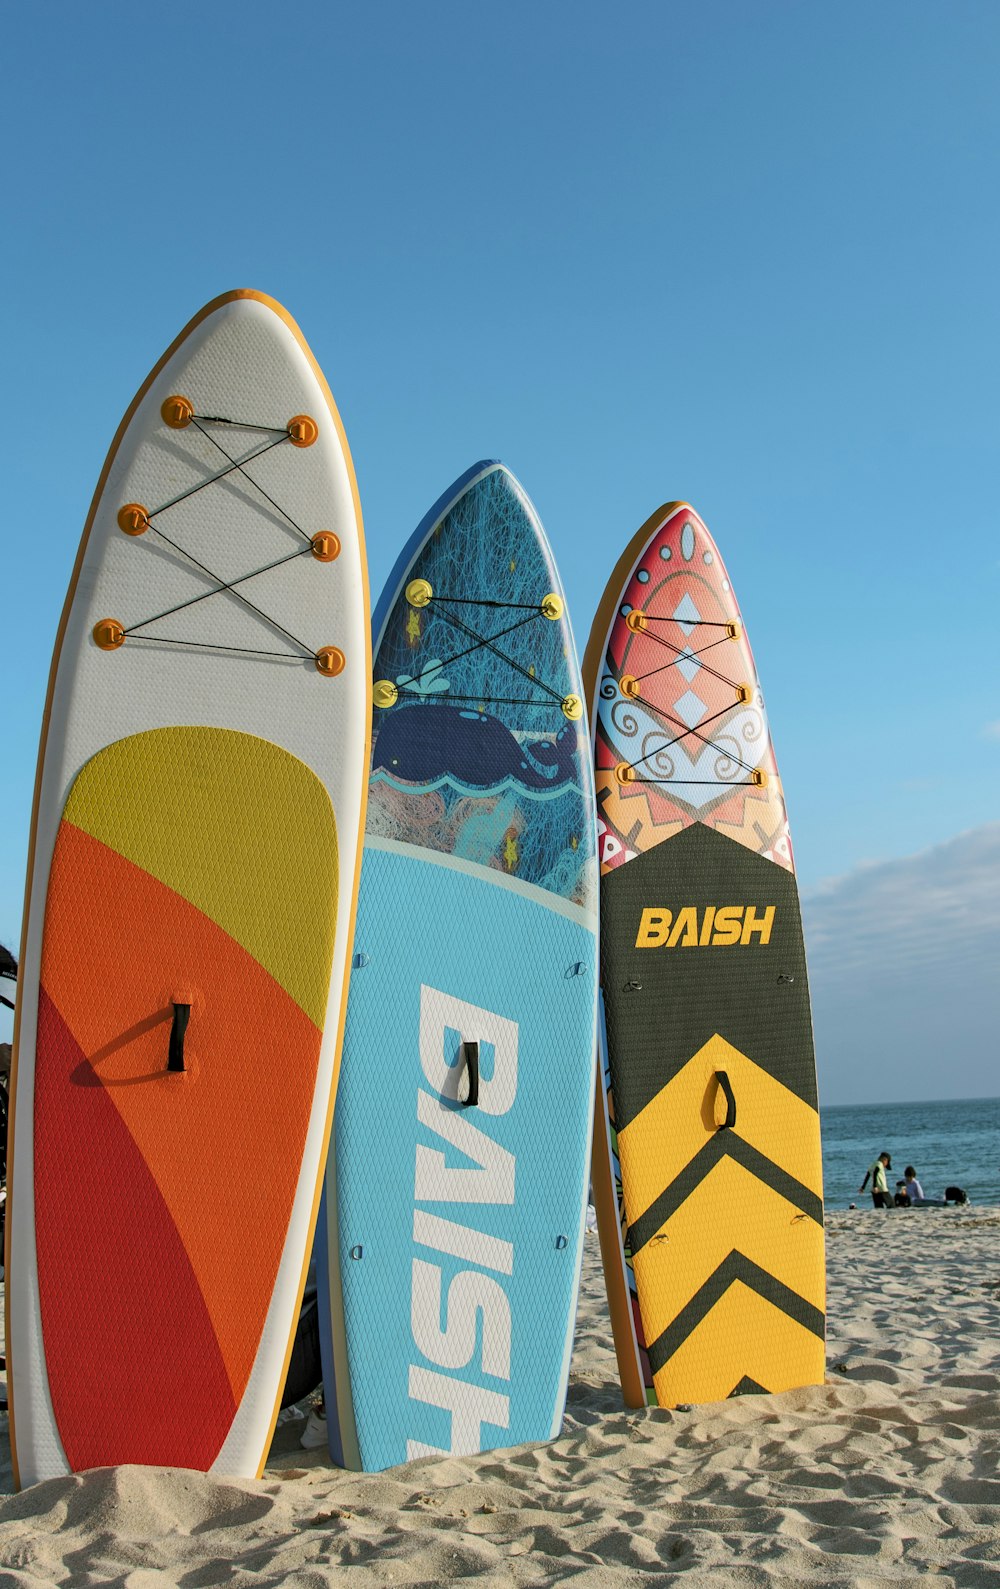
(384,693)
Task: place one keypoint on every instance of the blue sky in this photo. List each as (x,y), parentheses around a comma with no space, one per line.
(742,252)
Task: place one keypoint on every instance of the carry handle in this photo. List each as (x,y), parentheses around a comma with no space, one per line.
(470,1054)
(727,1087)
(175,1056)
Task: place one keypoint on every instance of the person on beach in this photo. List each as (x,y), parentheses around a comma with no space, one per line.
(914,1190)
(880,1186)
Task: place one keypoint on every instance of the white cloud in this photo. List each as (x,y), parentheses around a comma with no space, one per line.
(904,966)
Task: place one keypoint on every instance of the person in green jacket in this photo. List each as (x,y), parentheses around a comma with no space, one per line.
(880,1186)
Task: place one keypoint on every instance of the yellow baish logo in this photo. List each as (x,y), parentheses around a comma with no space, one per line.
(726,924)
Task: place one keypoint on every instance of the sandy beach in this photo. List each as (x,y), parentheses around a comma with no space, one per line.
(888,1472)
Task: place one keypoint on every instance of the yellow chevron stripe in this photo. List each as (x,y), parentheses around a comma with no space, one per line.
(730,1209)
(655,1146)
(742,1335)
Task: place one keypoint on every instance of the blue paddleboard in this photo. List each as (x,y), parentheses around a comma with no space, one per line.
(456,1188)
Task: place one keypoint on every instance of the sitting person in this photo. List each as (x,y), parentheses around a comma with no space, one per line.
(915,1193)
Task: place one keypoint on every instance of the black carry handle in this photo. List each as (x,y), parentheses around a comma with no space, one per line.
(723,1079)
(175,1059)
(470,1053)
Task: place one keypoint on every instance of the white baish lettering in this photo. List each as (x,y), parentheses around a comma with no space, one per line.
(470,1406)
(441,1013)
(469,1295)
(492,1181)
(445,1314)
(461,1241)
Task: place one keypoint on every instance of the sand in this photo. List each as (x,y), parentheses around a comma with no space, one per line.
(888,1473)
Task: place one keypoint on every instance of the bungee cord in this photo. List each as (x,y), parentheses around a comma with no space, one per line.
(625,771)
(487,601)
(497,700)
(221,645)
(483,640)
(255,483)
(221,474)
(134,519)
(240,424)
(420,595)
(688,732)
(230,585)
(685,654)
(457,656)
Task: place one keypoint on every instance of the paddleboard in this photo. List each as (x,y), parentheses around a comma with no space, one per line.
(191,891)
(707,1171)
(457,1189)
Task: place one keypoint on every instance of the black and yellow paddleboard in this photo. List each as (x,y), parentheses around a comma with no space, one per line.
(707,1168)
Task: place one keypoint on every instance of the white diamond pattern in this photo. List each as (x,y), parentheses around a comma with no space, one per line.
(687,665)
(690,709)
(686,613)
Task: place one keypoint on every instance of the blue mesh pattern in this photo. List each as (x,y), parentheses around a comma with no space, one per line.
(504,955)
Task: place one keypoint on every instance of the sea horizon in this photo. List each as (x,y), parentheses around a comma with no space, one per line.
(948,1141)
(889,1103)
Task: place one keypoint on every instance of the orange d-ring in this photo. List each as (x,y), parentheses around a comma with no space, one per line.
(302,430)
(109,634)
(330,661)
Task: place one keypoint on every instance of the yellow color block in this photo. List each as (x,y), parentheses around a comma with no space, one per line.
(236,825)
(685,1114)
(743,1336)
(729,1210)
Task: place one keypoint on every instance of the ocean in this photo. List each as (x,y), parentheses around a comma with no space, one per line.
(953,1143)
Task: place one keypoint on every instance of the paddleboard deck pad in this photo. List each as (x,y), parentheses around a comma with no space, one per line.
(457,1190)
(707,1162)
(191,891)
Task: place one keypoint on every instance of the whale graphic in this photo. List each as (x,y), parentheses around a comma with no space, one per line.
(420,744)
